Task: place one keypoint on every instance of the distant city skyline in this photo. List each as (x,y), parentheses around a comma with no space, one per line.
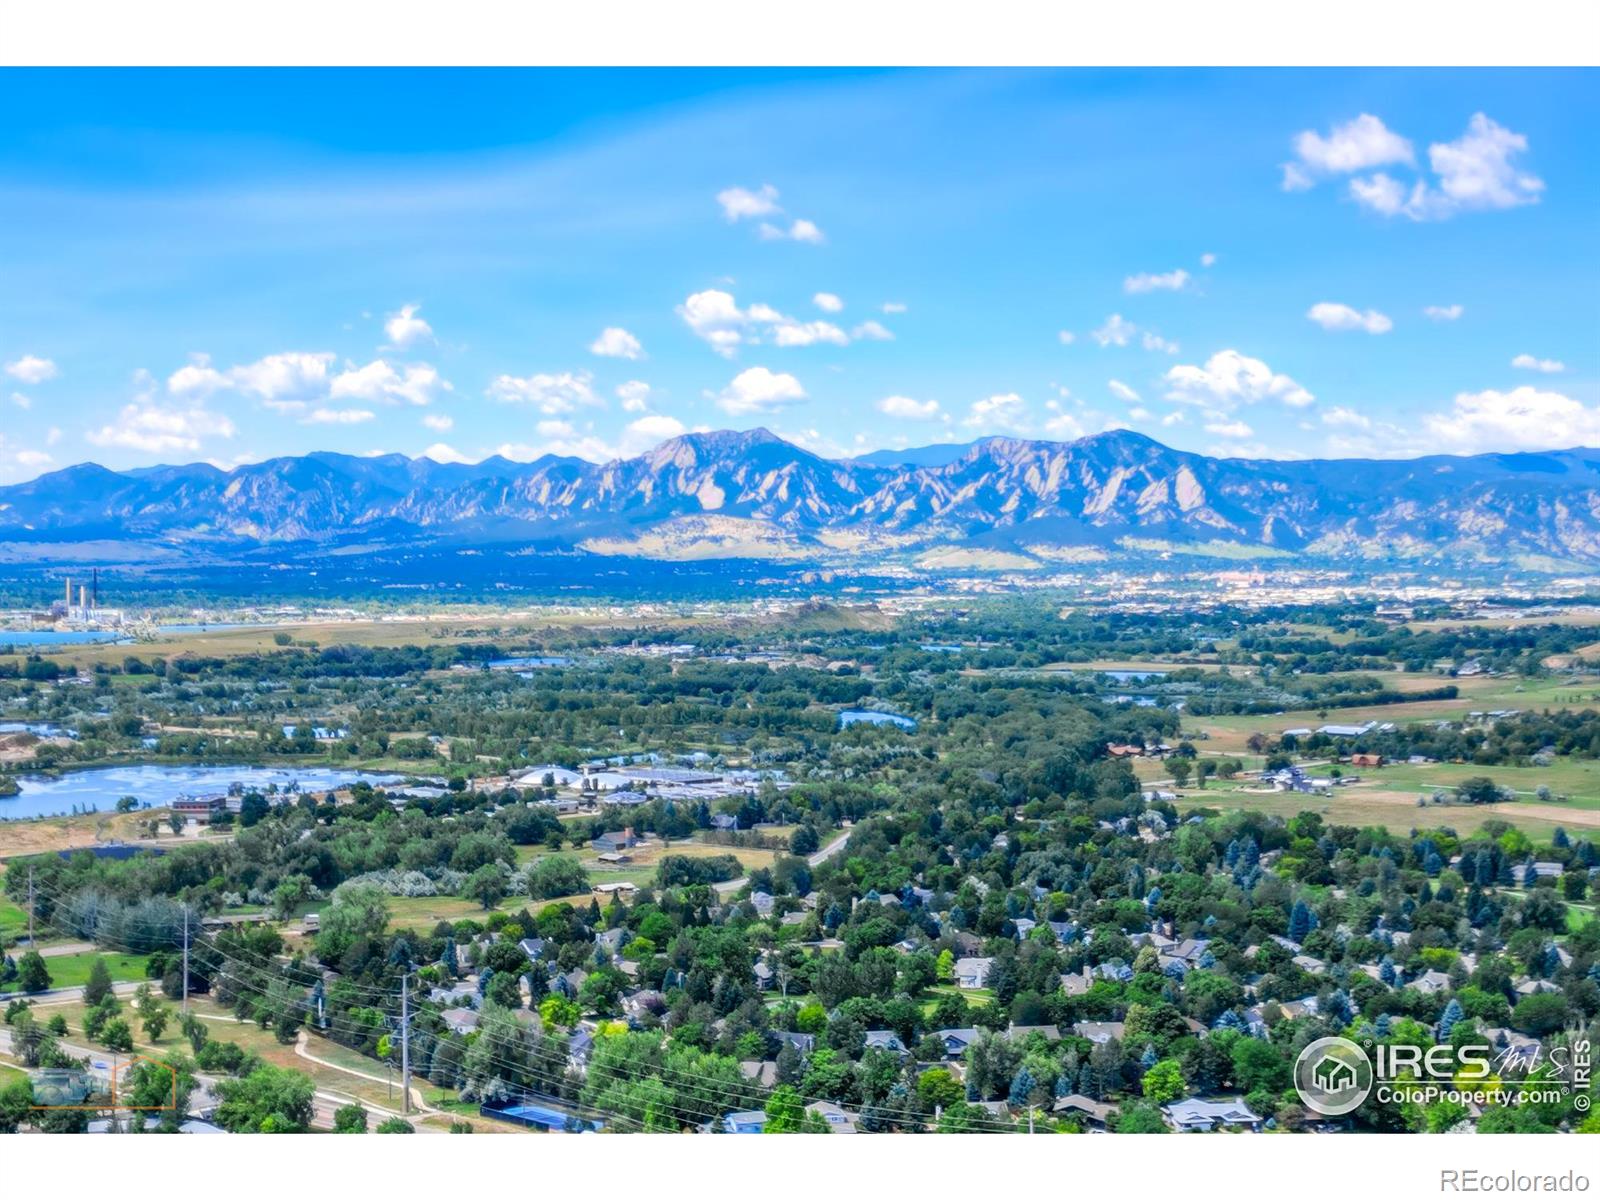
(228,266)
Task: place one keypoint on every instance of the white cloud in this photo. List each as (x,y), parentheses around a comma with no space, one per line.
(1522,419)
(738,203)
(21,401)
(1382,194)
(380,383)
(1347,418)
(282,381)
(715,317)
(1208,260)
(1065,427)
(32,370)
(552,394)
(828,302)
(1474,173)
(338,416)
(443,452)
(438,422)
(404,328)
(1066,337)
(635,395)
(1342,318)
(1229,379)
(789,332)
(1356,145)
(805,231)
(648,432)
(1176,417)
(1115,332)
(156,429)
(758,390)
(893,308)
(1172,281)
(1545,366)
(906,409)
(1232,429)
(615,342)
(1122,391)
(1154,341)
(798,231)
(1006,412)
(198,379)
(1443,312)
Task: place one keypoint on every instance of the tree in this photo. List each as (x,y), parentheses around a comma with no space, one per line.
(1180,771)
(1540,1014)
(268,1100)
(98,986)
(155,1021)
(785,1112)
(1141,1118)
(1258,1065)
(486,885)
(16,1104)
(115,1035)
(557,875)
(32,974)
(1164,1082)
(937,1088)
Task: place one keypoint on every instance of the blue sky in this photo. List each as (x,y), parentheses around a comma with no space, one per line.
(230,265)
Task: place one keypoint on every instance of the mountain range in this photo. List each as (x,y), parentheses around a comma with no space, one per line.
(998,503)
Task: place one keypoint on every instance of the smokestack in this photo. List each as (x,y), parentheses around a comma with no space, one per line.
(69,591)
(95,591)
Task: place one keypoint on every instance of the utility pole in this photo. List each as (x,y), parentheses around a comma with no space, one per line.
(1030,1118)
(186,959)
(31,946)
(405,1041)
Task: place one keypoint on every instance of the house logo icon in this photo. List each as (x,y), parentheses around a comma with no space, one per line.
(1333,1076)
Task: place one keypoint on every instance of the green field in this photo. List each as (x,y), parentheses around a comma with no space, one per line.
(72,970)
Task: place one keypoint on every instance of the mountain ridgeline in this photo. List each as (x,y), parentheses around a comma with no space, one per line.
(1001,503)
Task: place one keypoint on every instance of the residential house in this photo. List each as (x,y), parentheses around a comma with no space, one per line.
(972,973)
(1202,1116)
(1099,1032)
(839,1120)
(886,1039)
(1091,1114)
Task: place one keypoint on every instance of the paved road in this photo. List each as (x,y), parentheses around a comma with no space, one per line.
(729,886)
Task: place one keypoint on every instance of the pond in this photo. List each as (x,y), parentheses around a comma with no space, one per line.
(99,789)
(857,716)
(42,729)
(1133,676)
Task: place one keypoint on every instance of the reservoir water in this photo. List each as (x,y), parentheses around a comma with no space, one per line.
(99,789)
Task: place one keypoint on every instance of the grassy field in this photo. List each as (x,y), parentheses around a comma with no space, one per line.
(72,970)
(417,912)
(1229,734)
(1370,803)
(48,834)
(1576,778)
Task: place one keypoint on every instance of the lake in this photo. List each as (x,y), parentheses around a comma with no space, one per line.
(99,789)
(1132,676)
(60,637)
(528,660)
